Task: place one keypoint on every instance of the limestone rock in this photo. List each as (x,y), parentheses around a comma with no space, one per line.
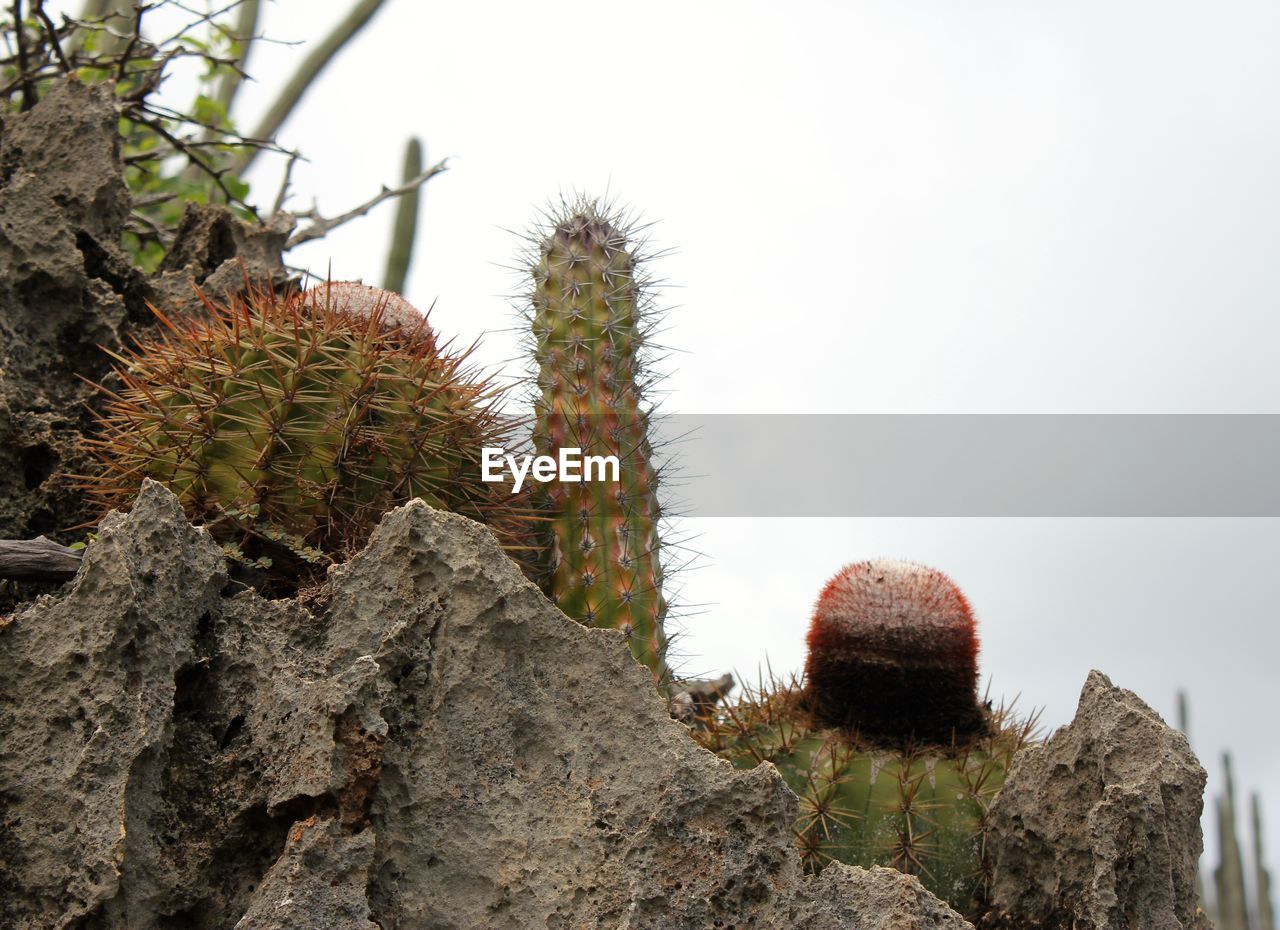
(88,685)
(1099,828)
(67,288)
(885,899)
(216,251)
(426,743)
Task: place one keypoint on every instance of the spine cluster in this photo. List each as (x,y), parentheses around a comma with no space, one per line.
(588,316)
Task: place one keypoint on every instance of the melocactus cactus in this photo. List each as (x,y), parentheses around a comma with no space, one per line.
(893,653)
(589,311)
(885,742)
(289,424)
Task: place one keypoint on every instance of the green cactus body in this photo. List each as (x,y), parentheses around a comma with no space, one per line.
(588,310)
(885,742)
(289,425)
(922,811)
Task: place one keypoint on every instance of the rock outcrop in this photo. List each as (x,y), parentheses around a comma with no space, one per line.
(426,742)
(1099,827)
(67,288)
(216,251)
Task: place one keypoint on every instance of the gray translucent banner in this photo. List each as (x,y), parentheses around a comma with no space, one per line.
(790,465)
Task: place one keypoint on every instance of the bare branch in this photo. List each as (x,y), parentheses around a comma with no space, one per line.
(147,229)
(306,74)
(207,18)
(227,137)
(215,174)
(52,32)
(320,226)
(24,76)
(245,33)
(134,38)
(37,559)
(284,183)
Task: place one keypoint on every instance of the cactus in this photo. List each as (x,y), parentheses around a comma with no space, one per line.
(1184,726)
(289,424)
(404,230)
(315,62)
(908,787)
(893,653)
(1232,904)
(589,311)
(1232,908)
(1261,875)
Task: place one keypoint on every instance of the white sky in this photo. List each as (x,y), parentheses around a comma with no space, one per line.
(882,207)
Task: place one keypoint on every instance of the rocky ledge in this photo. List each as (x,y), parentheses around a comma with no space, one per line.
(428,743)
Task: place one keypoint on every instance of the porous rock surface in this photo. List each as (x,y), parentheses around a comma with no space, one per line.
(1099,827)
(427,743)
(67,288)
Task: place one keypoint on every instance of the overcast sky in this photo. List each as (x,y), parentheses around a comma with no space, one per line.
(936,207)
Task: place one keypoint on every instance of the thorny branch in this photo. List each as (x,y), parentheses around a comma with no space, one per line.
(320,226)
(138,66)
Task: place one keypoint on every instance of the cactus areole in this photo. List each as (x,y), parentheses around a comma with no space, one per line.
(588,309)
(893,653)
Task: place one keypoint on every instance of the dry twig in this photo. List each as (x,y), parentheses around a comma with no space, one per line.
(321,226)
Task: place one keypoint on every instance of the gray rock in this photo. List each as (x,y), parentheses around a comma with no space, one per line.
(67,288)
(426,743)
(63,281)
(885,900)
(318,883)
(1099,828)
(216,252)
(88,684)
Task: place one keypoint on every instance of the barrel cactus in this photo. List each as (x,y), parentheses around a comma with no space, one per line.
(288,424)
(590,310)
(893,757)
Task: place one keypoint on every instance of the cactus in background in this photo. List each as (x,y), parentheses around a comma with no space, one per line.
(1262,877)
(1228,878)
(1184,726)
(906,786)
(405,228)
(589,310)
(1231,910)
(290,424)
(311,67)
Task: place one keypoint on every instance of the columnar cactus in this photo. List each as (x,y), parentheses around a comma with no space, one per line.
(893,758)
(588,311)
(289,424)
